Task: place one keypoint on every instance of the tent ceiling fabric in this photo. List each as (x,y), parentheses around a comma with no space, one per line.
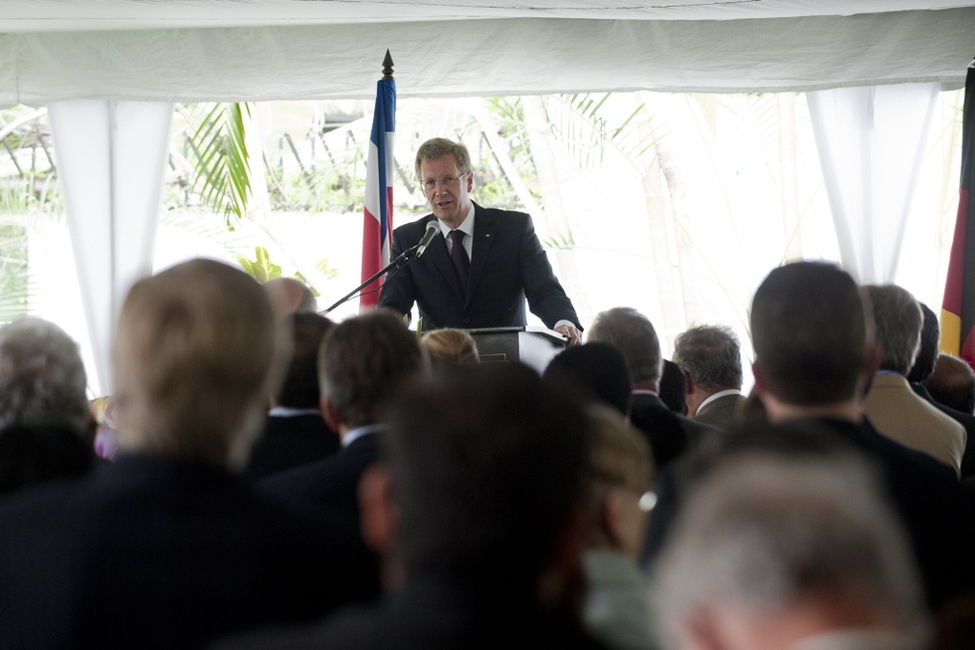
(237,50)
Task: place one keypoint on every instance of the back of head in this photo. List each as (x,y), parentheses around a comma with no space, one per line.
(810,332)
(487,464)
(194,353)
(952,384)
(673,388)
(363,361)
(300,386)
(765,535)
(927,353)
(436,148)
(633,335)
(450,346)
(897,318)
(595,369)
(42,378)
(290,296)
(711,355)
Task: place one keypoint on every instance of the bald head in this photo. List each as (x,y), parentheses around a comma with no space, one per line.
(290,296)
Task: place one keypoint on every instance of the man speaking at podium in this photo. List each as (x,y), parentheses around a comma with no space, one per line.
(481,264)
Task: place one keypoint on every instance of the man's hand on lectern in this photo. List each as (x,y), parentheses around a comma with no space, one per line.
(570,332)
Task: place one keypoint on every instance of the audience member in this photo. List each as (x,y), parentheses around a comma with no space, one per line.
(449,346)
(616,608)
(485,502)
(668,433)
(814,356)
(924,365)
(775,553)
(597,370)
(362,363)
(46,428)
(295,433)
(927,351)
(710,358)
(952,384)
(164,548)
(673,388)
(290,296)
(890,403)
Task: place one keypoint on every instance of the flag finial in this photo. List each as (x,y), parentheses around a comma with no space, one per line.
(388,66)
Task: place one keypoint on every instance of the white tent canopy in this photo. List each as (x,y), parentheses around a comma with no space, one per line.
(234,50)
(110,70)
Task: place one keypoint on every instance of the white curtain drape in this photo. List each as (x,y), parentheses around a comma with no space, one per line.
(111,164)
(870,142)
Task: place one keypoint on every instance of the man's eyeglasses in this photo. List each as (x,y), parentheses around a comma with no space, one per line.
(446,181)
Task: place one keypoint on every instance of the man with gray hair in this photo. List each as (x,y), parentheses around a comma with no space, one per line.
(46,428)
(710,358)
(894,408)
(42,378)
(779,552)
(632,333)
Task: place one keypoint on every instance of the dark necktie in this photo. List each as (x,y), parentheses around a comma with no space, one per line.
(458,255)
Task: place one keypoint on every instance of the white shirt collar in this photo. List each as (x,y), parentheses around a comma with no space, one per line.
(467,227)
(718,395)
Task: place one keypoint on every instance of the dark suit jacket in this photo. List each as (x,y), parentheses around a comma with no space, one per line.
(436,612)
(933,507)
(290,442)
(670,434)
(157,553)
(508,265)
(327,490)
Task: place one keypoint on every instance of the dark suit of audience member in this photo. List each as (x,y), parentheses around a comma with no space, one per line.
(483,506)
(710,358)
(295,433)
(165,548)
(47,427)
(812,360)
(669,434)
(362,363)
(33,455)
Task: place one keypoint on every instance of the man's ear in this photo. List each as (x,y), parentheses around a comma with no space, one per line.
(329,413)
(760,387)
(378,509)
(688,381)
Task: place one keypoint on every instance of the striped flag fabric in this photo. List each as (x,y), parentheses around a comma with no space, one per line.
(958,307)
(377,228)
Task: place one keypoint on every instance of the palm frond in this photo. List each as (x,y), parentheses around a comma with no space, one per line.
(218,145)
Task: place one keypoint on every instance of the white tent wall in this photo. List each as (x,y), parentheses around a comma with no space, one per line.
(871,181)
(112,156)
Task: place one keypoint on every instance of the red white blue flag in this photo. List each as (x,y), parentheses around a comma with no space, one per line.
(377,228)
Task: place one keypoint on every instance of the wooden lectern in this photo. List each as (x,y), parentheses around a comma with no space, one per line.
(534,348)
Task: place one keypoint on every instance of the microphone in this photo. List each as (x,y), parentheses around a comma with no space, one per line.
(432,229)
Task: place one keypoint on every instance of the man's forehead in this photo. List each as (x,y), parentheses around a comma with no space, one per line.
(446,162)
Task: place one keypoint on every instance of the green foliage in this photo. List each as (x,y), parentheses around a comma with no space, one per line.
(14,279)
(219,154)
(261,268)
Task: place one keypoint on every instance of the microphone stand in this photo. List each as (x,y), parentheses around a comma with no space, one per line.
(401,261)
